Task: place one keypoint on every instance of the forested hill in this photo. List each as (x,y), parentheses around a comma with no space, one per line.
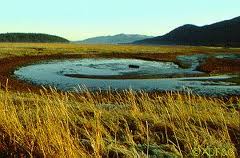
(224,33)
(32,38)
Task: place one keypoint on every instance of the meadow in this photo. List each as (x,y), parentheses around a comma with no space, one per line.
(45,122)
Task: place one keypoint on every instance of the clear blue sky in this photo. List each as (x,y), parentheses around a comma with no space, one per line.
(79,19)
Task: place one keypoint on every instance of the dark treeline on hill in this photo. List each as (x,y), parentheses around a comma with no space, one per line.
(31,37)
(225,34)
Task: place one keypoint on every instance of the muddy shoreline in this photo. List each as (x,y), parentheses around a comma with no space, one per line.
(129,77)
(8,65)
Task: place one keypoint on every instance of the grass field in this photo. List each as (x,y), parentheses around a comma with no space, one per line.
(127,124)
(21,49)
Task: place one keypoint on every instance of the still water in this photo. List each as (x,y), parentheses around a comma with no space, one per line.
(119,74)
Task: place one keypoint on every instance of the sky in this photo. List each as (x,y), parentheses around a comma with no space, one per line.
(80,19)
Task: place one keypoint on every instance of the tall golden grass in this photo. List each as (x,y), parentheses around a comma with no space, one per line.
(126,124)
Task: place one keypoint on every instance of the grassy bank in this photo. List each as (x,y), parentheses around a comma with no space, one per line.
(126,125)
(130,124)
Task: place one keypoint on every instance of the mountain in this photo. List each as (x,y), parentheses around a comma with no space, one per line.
(31,37)
(225,33)
(116,39)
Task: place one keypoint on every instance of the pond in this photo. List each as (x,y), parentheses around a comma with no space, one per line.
(120,74)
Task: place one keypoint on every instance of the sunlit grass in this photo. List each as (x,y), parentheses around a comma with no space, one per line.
(126,124)
(129,124)
(21,49)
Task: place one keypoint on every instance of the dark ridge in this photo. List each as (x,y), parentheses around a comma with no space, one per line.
(31,38)
(224,34)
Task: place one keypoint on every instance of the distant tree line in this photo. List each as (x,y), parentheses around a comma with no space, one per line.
(32,38)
